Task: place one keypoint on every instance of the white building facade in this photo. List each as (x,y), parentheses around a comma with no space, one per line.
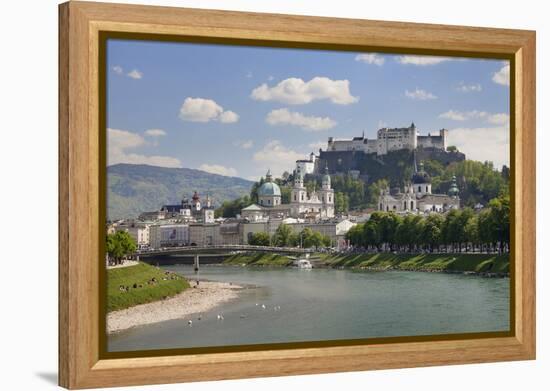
(418,197)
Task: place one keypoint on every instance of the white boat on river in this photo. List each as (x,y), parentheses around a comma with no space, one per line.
(302,264)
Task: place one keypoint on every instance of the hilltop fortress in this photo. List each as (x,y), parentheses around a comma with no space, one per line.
(358,154)
(388,140)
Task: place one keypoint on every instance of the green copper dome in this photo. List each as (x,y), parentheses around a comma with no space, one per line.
(269,188)
(453,190)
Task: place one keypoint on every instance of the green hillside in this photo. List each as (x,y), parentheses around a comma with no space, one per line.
(133,189)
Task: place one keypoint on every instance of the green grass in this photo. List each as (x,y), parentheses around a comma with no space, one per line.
(423,262)
(258,259)
(140,274)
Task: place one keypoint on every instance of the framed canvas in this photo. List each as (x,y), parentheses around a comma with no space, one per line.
(247,195)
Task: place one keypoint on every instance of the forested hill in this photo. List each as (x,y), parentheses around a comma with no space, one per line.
(478,183)
(133,189)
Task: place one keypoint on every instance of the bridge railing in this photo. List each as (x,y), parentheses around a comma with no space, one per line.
(238,247)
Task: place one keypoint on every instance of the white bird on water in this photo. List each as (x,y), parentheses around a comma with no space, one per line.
(263,306)
(190,322)
(220,317)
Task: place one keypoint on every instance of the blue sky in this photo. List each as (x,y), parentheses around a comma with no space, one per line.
(240,110)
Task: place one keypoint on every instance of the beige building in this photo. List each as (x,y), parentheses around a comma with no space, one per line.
(204,234)
(169,235)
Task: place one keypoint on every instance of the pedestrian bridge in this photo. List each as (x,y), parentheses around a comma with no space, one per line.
(220,249)
(196,251)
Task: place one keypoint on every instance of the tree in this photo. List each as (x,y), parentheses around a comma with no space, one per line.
(232,208)
(500,216)
(119,245)
(375,189)
(432,232)
(452,148)
(371,235)
(260,239)
(283,236)
(355,235)
(341,202)
(472,231)
(387,228)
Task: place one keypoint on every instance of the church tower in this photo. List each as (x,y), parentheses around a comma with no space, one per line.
(327,195)
(299,192)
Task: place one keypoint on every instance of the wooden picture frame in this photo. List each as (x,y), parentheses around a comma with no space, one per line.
(81,364)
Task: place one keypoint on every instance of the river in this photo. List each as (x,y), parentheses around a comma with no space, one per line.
(327,304)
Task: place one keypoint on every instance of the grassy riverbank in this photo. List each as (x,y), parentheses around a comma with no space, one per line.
(142,284)
(477,263)
(258,259)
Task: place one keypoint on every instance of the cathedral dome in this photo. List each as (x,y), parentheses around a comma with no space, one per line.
(269,189)
(421,177)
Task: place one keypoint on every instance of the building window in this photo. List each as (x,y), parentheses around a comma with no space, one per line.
(261,202)
(302,197)
(419,189)
(405,205)
(269,202)
(381,207)
(426,189)
(329,199)
(412,205)
(294,197)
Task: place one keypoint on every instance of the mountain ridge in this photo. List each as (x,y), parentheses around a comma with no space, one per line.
(136,188)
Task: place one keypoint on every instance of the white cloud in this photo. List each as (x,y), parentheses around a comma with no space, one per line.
(118,69)
(498,118)
(318,145)
(119,142)
(420,94)
(286,117)
(463,115)
(276,156)
(463,87)
(422,60)
(135,74)
(205,110)
(370,58)
(155,132)
(218,169)
(229,117)
(502,77)
(244,144)
(295,91)
(482,144)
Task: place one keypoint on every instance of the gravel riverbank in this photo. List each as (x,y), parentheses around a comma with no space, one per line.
(205,297)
